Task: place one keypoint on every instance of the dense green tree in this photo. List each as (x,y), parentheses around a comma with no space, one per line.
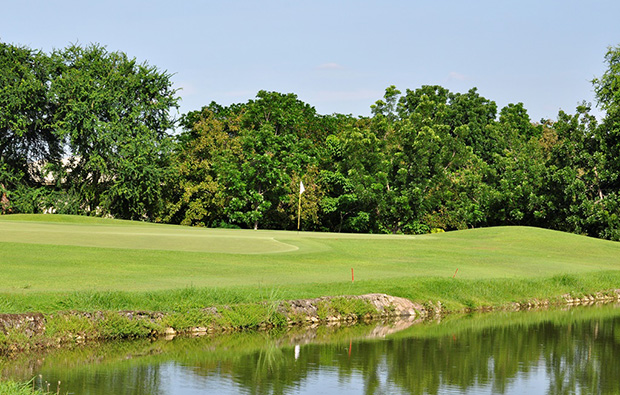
(26,133)
(473,114)
(27,138)
(607,89)
(432,165)
(516,122)
(249,158)
(518,194)
(355,178)
(113,114)
(197,195)
(278,140)
(429,101)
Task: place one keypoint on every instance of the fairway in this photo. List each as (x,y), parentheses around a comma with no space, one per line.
(64,253)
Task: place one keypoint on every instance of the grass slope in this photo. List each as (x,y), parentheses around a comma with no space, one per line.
(52,262)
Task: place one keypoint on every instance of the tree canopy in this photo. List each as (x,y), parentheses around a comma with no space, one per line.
(105,114)
(427,159)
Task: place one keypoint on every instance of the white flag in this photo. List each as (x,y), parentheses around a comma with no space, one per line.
(301,187)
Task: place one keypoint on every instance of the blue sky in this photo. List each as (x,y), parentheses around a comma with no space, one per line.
(339,56)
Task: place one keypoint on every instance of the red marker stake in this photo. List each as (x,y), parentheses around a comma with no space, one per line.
(454,275)
(352,276)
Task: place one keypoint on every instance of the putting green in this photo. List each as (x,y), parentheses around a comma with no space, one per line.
(108,233)
(154,237)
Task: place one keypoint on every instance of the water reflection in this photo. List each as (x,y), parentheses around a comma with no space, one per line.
(553,352)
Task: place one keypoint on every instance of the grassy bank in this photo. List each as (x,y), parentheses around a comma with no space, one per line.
(10,387)
(55,263)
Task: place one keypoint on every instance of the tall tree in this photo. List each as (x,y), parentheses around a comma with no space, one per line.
(26,133)
(114,115)
(607,89)
(206,146)
(279,140)
(239,164)
(27,138)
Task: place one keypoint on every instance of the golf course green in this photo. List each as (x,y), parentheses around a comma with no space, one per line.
(55,262)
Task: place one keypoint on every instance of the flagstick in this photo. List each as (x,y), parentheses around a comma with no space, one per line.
(301,190)
(299,213)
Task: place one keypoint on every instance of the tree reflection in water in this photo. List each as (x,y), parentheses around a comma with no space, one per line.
(577,350)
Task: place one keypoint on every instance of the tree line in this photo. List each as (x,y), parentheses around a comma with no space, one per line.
(88,131)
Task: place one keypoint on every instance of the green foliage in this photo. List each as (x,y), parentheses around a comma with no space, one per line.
(239,166)
(426,159)
(607,87)
(27,135)
(10,387)
(114,115)
(197,197)
(110,113)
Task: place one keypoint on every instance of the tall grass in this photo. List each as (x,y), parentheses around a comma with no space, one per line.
(10,387)
(455,293)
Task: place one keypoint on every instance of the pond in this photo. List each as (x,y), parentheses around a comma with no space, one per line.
(554,351)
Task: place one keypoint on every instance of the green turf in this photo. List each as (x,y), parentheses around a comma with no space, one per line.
(45,254)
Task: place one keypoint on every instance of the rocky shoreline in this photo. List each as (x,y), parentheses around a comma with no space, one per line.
(21,332)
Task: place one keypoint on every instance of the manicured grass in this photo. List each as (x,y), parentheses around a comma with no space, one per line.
(51,262)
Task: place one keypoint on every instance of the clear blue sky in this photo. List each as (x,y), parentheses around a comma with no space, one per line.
(339,56)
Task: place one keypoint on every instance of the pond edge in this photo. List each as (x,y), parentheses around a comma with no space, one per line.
(32,331)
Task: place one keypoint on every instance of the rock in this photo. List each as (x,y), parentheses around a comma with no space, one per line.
(30,324)
(306,310)
(198,331)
